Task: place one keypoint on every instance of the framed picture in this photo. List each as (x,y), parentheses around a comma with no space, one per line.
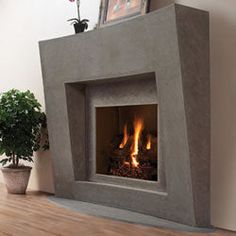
(112,11)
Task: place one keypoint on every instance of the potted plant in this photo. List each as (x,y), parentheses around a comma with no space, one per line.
(21,121)
(79,25)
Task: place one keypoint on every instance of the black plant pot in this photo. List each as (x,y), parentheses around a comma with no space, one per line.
(79,28)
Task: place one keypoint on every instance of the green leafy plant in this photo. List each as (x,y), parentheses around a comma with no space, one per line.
(21,122)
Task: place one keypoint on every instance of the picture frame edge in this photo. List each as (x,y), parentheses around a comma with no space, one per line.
(145,8)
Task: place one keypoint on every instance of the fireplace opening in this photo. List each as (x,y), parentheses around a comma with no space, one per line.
(126,141)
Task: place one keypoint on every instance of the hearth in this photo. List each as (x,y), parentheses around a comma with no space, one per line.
(128,110)
(127,141)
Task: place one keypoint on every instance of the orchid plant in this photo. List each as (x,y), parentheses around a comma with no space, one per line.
(79,25)
(78,6)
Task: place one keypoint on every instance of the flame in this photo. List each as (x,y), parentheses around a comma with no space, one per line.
(148,145)
(135,163)
(138,127)
(126,163)
(125,138)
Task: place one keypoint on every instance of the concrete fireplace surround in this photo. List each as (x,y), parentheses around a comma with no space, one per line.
(159,58)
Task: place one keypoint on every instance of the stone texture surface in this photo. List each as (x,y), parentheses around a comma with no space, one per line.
(126,216)
(170,45)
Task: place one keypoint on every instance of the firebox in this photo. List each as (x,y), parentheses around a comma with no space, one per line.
(126,141)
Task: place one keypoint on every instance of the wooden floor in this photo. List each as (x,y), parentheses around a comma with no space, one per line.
(34,215)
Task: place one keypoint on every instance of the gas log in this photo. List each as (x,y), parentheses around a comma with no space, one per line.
(146,158)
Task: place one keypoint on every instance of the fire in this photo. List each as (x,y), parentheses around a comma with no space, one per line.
(135,163)
(134,149)
(138,127)
(125,138)
(148,145)
(135,154)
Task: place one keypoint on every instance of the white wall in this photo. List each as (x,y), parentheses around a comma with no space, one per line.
(23,23)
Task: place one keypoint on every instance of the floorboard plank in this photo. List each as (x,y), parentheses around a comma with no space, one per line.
(34,215)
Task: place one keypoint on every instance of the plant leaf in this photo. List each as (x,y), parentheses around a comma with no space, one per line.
(2,150)
(4,161)
(74,19)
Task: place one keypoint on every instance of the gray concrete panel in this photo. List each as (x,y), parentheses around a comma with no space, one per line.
(169,46)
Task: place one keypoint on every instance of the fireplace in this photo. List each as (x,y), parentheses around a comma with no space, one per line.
(128,110)
(122,134)
(126,141)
